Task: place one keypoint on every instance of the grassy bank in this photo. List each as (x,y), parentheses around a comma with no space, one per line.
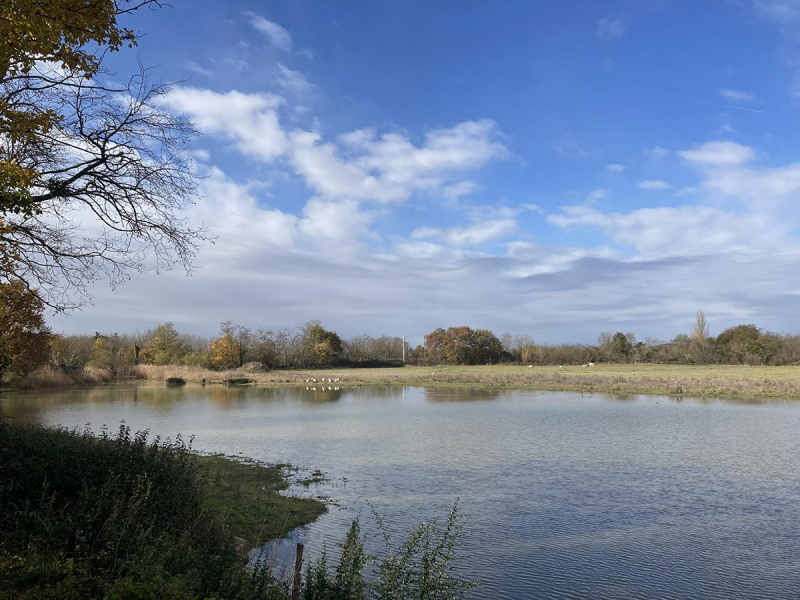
(245,497)
(753,383)
(118,517)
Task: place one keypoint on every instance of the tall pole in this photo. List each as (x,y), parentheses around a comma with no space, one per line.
(404,350)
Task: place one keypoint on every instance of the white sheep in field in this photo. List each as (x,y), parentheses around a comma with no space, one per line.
(591,364)
(560,366)
(584,366)
(530,366)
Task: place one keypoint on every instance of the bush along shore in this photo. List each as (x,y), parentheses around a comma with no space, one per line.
(120,516)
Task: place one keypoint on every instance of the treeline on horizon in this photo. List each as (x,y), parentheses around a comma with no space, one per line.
(311,346)
(27,344)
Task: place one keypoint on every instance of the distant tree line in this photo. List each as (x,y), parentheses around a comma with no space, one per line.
(26,344)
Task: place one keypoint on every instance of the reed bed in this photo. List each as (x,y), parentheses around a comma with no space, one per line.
(48,377)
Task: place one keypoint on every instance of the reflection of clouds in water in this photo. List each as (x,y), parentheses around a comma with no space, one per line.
(564,495)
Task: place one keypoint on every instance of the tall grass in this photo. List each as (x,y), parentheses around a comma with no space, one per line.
(112,516)
(48,377)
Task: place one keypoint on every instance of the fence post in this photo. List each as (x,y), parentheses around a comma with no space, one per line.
(298,573)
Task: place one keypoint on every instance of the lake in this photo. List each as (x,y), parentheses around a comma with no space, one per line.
(564,495)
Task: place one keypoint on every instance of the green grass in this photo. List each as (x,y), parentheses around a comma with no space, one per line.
(246,497)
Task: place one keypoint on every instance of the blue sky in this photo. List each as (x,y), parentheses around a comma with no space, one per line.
(557,169)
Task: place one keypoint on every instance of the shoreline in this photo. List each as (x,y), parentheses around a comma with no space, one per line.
(702,381)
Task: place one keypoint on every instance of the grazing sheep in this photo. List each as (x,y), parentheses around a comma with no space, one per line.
(560,366)
(584,366)
(530,366)
(591,364)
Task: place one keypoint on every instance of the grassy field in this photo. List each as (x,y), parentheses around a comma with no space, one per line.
(752,383)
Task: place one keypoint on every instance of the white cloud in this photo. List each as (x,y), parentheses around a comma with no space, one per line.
(596,195)
(250,121)
(758,186)
(719,154)
(277,35)
(573,149)
(194,67)
(652,185)
(780,10)
(389,167)
(338,221)
(615,168)
(292,80)
(610,29)
(727,128)
(474,235)
(686,191)
(657,152)
(382,168)
(462,188)
(682,231)
(737,96)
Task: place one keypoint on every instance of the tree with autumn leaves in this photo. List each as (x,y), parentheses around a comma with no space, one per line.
(464,346)
(73,143)
(24,337)
(229,350)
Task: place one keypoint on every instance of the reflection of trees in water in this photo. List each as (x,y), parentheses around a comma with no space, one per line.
(322,394)
(378,392)
(456,394)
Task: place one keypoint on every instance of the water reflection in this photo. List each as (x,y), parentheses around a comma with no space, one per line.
(566,495)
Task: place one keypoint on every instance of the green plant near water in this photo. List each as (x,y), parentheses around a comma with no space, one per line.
(122,517)
(422,567)
(113,516)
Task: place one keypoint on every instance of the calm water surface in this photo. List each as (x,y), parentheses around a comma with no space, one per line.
(566,496)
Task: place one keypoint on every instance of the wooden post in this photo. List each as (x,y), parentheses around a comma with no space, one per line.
(298,573)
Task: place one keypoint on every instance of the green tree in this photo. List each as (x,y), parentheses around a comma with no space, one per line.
(617,347)
(746,344)
(165,346)
(326,345)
